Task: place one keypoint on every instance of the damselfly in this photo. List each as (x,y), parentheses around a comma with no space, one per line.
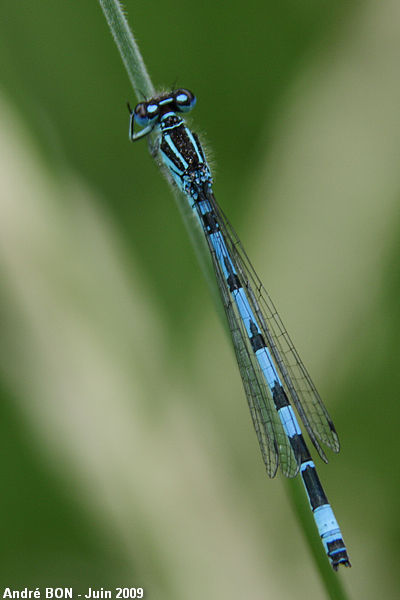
(272,372)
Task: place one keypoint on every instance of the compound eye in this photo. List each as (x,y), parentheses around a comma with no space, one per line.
(184,100)
(140,112)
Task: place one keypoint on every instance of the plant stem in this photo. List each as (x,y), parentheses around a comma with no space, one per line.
(128,48)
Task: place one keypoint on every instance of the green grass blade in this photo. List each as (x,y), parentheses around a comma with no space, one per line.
(128,48)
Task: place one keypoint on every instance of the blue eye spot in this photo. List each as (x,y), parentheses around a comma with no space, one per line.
(152,110)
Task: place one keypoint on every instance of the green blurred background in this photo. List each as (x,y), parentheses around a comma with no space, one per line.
(128,456)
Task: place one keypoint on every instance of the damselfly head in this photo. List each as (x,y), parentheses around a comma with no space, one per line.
(148,114)
(180,100)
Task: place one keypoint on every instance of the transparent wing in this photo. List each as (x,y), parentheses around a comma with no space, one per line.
(297,381)
(275,446)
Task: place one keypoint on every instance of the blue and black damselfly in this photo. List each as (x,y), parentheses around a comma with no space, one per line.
(272,372)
